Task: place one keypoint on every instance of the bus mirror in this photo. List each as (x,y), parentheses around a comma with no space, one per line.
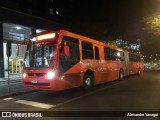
(66,51)
(20,48)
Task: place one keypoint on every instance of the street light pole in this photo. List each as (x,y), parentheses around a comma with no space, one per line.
(9,47)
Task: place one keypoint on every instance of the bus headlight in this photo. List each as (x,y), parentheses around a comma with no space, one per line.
(50,75)
(24,75)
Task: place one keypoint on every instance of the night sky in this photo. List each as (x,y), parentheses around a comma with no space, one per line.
(111,19)
(107,20)
(117,17)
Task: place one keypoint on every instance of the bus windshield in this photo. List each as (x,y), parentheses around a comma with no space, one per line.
(40,55)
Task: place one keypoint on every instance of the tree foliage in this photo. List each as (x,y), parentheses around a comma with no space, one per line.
(152,24)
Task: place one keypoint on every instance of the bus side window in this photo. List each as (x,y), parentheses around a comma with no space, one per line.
(69,53)
(66,51)
(113,54)
(97,53)
(61,47)
(87,50)
(107,53)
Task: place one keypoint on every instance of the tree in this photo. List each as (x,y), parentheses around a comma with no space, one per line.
(152,24)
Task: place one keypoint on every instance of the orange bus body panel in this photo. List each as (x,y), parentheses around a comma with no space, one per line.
(104,70)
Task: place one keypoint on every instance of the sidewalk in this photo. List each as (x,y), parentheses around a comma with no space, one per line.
(15,87)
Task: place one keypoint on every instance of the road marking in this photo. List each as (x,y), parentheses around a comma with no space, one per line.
(35,104)
(48,106)
(8,99)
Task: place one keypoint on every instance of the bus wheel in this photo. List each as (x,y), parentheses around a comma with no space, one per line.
(121,76)
(87,81)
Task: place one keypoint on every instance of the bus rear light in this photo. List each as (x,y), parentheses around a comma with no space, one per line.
(50,75)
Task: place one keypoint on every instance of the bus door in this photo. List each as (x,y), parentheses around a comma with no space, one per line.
(97,65)
(127,64)
(68,61)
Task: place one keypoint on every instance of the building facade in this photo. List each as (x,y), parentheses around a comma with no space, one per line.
(19,27)
(136,47)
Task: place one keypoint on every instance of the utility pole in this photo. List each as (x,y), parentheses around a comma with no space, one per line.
(9,48)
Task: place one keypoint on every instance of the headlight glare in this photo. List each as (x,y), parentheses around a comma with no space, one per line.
(24,75)
(50,75)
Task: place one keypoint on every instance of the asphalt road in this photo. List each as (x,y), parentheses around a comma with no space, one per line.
(134,93)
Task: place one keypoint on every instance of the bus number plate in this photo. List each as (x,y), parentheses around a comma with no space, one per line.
(34,81)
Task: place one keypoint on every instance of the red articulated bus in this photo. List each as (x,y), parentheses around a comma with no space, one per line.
(59,60)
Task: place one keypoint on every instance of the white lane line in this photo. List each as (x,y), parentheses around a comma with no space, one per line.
(8,99)
(35,104)
(48,106)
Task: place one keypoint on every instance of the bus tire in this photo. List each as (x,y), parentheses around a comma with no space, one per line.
(87,81)
(121,75)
